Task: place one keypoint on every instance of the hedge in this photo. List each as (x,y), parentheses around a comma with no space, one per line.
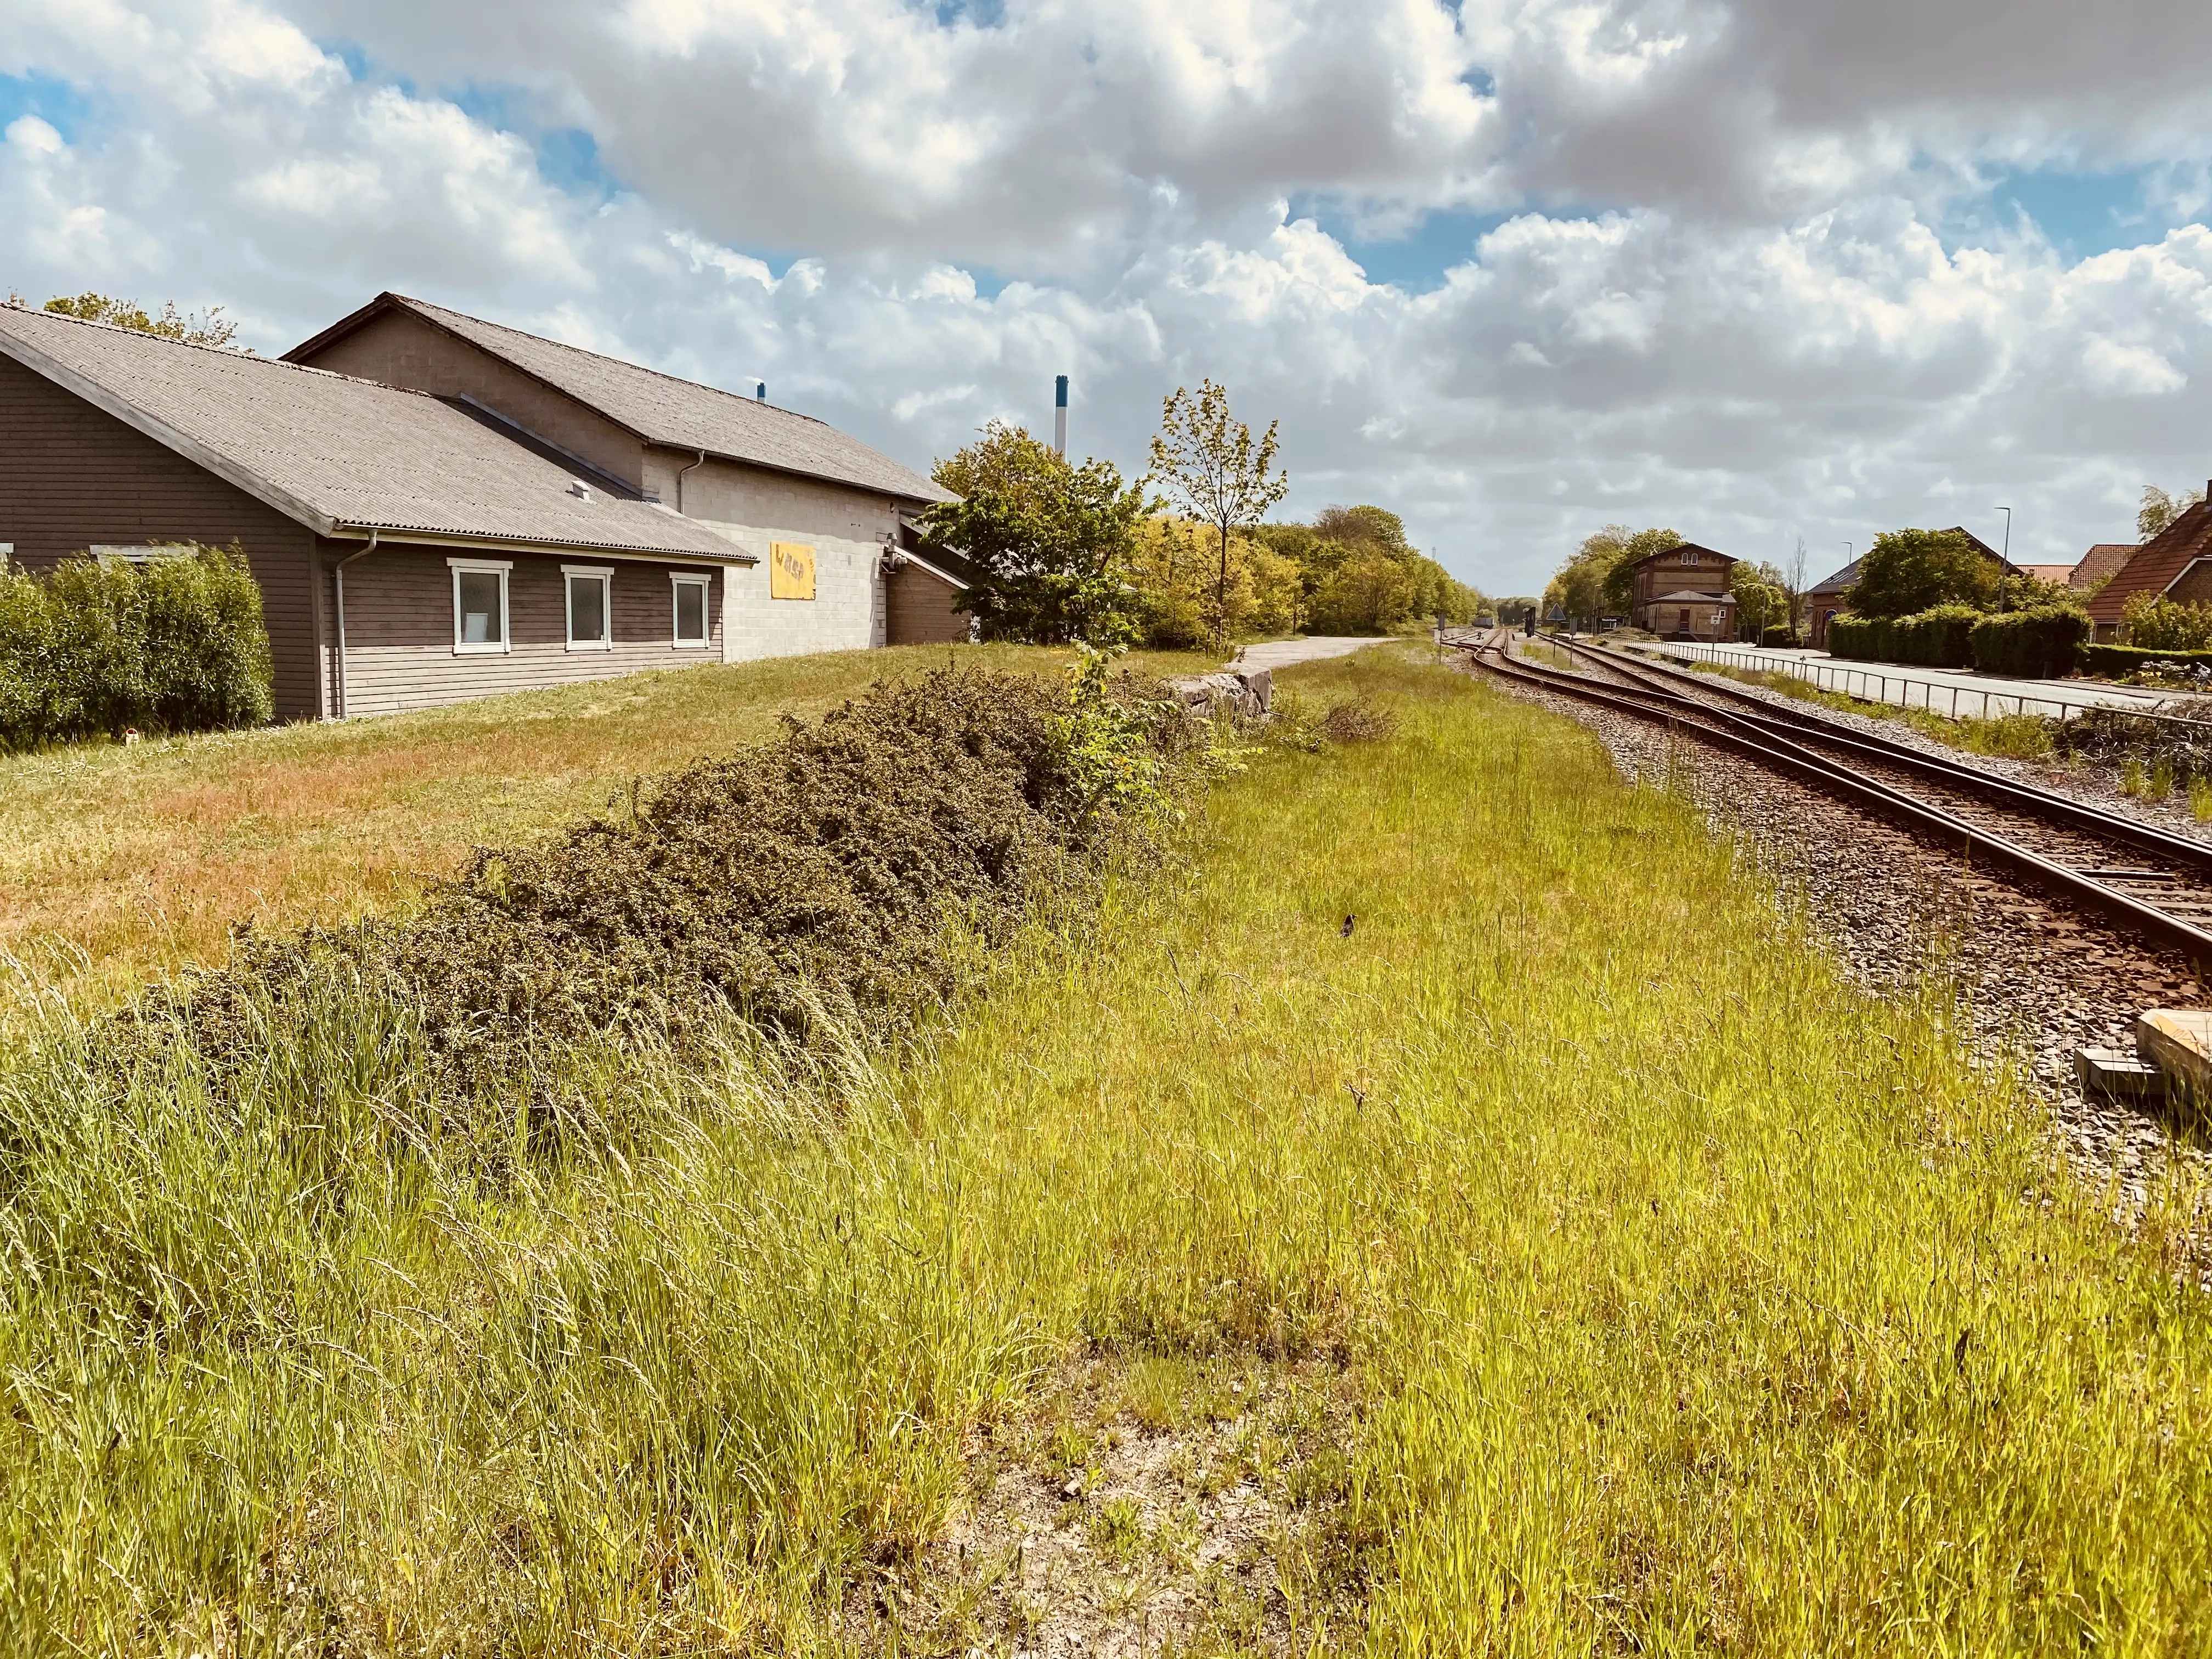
(2042,643)
(175,644)
(2117,661)
(1778,635)
(1933,639)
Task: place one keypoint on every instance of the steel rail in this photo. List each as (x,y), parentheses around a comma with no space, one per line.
(1781,754)
(2062,810)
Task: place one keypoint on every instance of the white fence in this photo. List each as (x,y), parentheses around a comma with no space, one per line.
(1869,683)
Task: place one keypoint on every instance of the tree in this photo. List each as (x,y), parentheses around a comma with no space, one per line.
(1598,575)
(1762,598)
(1793,587)
(210,328)
(1909,571)
(1206,459)
(1049,541)
(2160,510)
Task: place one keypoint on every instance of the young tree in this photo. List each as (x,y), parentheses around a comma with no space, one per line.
(1049,542)
(2159,510)
(210,328)
(1909,571)
(1208,462)
(1762,601)
(1793,587)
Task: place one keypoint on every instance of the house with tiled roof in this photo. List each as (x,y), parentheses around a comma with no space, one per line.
(477,512)
(2177,562)
(2099,564)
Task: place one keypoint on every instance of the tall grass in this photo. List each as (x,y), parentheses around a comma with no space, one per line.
(1694,1299)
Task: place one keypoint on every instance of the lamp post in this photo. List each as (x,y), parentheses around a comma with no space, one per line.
(2007,557)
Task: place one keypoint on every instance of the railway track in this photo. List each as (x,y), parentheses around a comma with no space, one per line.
(2154,884)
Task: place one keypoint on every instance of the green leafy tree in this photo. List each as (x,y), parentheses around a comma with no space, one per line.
(1598,576)
(1908,571)
(1762,596)
(1209,462)
(209,328)
(1048,541)
(2159,510)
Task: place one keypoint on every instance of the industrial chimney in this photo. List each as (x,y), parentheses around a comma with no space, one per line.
(1060,416)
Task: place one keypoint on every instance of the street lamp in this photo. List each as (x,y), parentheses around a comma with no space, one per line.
(2007,557)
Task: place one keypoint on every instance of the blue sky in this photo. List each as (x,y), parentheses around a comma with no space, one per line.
(1752,268)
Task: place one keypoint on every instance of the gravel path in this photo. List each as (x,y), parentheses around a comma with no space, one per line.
(2035,981)
(1281,654)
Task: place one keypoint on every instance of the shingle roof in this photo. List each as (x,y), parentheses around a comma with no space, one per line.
(2101,562)
(336,453)
(1837,583)
(2046,573)
(2156,563)
(1690,599)
(664,410)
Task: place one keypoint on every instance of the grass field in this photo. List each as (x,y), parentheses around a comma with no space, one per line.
(119,864)
(1618,1280)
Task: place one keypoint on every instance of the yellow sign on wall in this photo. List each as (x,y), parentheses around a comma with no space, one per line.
(790,570)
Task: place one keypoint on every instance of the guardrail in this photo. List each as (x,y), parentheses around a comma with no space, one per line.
(1871,684)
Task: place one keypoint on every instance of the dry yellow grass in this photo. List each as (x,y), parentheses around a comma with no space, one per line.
(118,864)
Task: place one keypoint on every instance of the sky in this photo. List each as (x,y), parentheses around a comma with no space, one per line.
(1761,272)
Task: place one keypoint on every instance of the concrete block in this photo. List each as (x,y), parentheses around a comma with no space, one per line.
(2178,1042)
(2117,1074)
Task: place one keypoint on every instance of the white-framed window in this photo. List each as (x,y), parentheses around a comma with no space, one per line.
(692,626)
(1689,555)
(479,605)
(591,592)
(140,552)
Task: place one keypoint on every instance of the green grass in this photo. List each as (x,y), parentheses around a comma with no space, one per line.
(120,864)
(1689,1298)
(2012,736)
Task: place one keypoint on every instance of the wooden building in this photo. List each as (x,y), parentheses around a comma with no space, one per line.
(484,530)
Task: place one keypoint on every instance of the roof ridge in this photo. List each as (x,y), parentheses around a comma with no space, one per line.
(223,352)
(604,357)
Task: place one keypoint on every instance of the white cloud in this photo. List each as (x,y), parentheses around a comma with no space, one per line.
(1725,298)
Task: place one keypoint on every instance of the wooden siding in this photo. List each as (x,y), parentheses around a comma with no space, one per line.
(402,349)
(399,629)
(918,609)
(72,476)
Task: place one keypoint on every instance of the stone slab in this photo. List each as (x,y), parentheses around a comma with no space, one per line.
(2117,1074)
(2178,1042)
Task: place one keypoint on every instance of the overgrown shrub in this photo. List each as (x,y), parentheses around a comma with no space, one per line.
(822,889)
(2042,643)
(2118,661)
(175,644)
(2152,621)
(1933,639)
(1778,636)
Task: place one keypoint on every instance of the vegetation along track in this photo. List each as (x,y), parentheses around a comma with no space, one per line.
(2154,884)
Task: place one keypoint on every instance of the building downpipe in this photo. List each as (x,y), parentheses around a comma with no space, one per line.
(1060,416)
(338,577)
(694,467)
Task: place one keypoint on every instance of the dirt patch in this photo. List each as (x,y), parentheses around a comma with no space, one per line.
(1140,1507)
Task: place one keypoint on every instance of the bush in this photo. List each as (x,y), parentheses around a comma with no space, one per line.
(1933,639)
(2117,661)
(2039,644)
(1909,572)
(174,645)
(1770,637)
(819,888)
(2155,622)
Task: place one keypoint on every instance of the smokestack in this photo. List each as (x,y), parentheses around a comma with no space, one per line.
(760,392)
(1059,416)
